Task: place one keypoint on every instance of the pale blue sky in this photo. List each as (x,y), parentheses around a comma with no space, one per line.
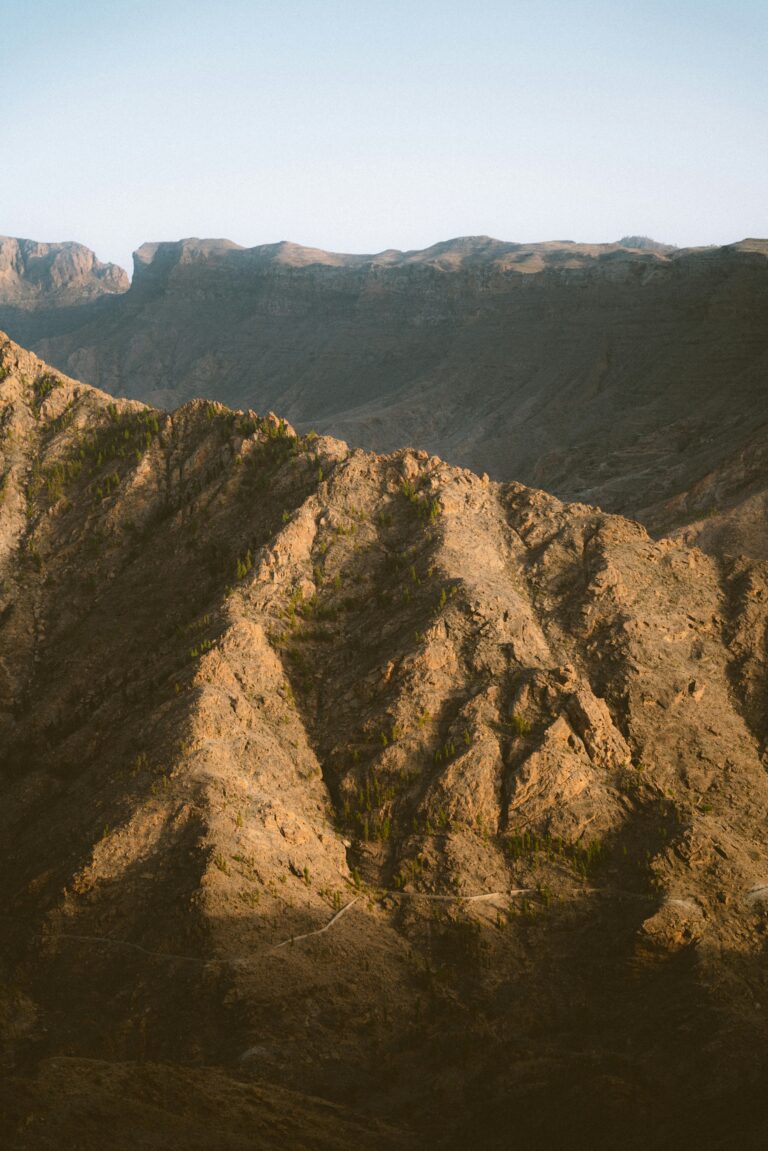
(358,125)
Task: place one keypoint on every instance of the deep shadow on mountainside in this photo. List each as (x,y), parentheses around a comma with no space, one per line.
(633,377)
(357,801)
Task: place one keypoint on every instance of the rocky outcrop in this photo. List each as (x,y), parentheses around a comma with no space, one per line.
(361,777)
(43,276)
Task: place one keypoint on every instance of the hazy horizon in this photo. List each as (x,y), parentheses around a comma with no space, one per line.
(356,129)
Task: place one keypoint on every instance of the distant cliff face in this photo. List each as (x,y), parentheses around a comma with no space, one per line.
(620,375)
(327,775)
(54,275)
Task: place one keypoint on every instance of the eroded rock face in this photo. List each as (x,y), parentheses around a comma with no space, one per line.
(365,778)
(34,275)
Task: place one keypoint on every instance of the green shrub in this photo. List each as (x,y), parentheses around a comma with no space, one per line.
(520,723)
(244,565)
(42,388)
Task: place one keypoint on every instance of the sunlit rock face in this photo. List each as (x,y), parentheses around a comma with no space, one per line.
(356,800)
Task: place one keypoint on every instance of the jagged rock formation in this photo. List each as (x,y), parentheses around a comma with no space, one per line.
(34,275)
(619,375)
(329,774)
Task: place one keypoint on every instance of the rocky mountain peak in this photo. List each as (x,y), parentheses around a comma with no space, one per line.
(44,275)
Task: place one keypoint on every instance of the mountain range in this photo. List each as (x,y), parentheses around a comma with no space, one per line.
(354,799)
(628,375)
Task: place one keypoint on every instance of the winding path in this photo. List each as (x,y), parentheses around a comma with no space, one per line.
(756,894)
(320,930)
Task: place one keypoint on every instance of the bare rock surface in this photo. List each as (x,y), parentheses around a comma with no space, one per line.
(354,800)
(34,275)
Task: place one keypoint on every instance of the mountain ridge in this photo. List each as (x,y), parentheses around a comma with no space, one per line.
(622,377)
(252,680)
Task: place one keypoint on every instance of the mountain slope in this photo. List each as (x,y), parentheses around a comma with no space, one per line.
(726,510)
(621,376)
(363,778)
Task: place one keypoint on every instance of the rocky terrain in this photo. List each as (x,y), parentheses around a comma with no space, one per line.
(624,374)
(47,276)
(360,801)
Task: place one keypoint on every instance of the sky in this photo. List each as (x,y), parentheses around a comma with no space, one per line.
(359,125)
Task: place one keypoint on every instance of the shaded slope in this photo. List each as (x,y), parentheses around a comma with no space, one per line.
(249,678)
(726,511)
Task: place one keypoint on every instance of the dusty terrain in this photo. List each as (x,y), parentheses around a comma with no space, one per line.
(355,800)
(619,375)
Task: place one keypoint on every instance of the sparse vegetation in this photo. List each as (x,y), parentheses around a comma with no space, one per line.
(123,438)
(365,809)
(427,507)
(520,724)
(244,565)
(42,387)
(586,857)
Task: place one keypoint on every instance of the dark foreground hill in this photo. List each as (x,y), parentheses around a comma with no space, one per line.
(355,801)
(623,376)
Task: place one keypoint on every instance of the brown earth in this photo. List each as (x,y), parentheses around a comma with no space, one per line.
(355,800)
(620,375)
